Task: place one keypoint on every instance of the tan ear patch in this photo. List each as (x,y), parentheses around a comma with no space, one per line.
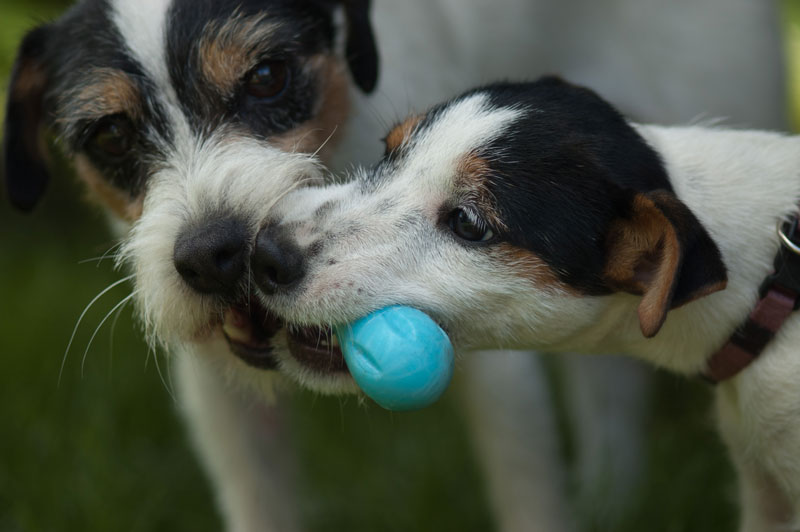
(28,88)
(30,79)
(644,255)
(102,191)
(402,132)
(318,135)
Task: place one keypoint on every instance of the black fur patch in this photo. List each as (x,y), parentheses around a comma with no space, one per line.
(85,39)
(24,165)
(567,167)
(81,41)
(563,172)
(301,29)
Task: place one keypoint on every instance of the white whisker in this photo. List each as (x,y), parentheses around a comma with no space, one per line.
(100,259)
(163,381)
(107,255)
(111,343)
(118,306)
(80,319)
(325,141)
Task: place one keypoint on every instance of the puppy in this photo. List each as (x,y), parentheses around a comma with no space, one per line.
(534,215)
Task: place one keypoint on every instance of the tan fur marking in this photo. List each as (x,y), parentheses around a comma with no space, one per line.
(643,258)
(400,134)
(473,179)
(229,51)
(529,266)
(110,92)
(28,90)
(318,134)
(100,190)
(30,79)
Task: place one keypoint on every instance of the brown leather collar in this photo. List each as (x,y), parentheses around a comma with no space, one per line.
(780,296)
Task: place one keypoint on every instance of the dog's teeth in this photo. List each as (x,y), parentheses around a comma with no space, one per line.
(236,327)
(334,340)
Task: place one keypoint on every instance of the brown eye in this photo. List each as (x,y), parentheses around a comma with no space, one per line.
(112,139)
(469,227)
(268,81)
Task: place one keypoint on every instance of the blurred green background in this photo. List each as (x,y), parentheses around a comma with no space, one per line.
(104,449)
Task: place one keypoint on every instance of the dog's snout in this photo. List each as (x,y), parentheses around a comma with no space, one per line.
(277,263)
(211,257)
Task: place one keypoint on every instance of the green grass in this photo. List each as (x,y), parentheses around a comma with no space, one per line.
(104,449)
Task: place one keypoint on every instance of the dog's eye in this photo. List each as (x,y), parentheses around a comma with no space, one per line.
(469,227)
(268,81)
(111,139)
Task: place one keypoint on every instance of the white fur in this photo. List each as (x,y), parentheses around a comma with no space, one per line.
(221,174)
(143,27)
(466,126)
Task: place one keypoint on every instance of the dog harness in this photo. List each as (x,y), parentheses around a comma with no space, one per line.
(779,297)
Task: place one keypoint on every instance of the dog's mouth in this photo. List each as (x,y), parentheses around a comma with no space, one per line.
(250,328)
(316,348)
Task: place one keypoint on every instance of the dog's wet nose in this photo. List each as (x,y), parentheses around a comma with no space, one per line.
(277,263)
(211,257)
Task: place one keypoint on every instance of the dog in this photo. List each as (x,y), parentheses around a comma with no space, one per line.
(144,99)
(533,215)
(184,119)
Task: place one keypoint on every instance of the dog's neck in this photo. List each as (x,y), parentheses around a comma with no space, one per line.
(739,184)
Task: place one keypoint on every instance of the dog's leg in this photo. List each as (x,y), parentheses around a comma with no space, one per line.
(758,413)
(241,444)
(509,410)
(768,491)
(606,400)
(765,507)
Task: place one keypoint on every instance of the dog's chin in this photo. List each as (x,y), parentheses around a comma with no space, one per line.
(310,356)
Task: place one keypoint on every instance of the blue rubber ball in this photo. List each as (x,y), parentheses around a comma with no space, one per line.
(398,356)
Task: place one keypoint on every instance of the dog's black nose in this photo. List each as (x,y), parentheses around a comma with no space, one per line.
(277,263)
(211,257)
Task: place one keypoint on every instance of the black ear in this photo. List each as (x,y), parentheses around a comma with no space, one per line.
(360,48)
(660,250)
(24,148)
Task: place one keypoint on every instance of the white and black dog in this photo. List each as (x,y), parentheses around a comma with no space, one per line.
(188,119)
(534,215)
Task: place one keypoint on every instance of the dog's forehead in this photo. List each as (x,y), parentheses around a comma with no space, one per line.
(548,164)
(158,32)
(431,151)
(195,51)
(170,50)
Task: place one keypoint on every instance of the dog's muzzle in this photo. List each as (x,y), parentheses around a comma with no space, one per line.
(214,259)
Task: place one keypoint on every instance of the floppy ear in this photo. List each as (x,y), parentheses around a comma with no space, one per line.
(661,251)
(24,148)
(360,48)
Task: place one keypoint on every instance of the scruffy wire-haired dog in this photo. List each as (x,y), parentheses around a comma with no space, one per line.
(187,119)
(534,215)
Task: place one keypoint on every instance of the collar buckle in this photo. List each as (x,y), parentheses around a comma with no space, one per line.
(786,274)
